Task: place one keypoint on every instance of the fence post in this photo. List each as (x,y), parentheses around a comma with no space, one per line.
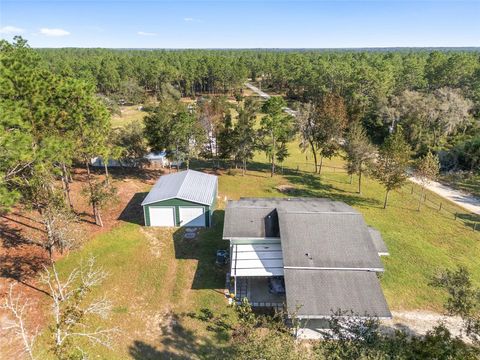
(475,226)
(455,215)
(440,208)
(412,190)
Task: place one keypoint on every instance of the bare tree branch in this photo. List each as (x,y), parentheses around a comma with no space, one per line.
(17,307)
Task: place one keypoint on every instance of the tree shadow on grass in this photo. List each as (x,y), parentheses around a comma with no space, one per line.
(203,248)
(133,211)
(208,166)
(177,343)
(310,185)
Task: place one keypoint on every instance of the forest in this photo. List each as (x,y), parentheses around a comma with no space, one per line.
(382,113)
(433,95)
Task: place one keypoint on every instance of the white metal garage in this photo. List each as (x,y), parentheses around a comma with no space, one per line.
(191,216)
(162,216)
(189,198)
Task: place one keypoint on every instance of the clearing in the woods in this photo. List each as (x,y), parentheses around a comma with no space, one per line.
(162,284)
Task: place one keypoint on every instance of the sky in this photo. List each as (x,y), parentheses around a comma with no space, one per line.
(242,24)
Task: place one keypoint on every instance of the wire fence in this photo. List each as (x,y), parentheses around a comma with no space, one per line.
(425,198)
(433,201)
(442,206)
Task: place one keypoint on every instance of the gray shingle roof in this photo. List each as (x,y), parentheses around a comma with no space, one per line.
(294,204)
(246,217)
(327,240)
(320,293)
(327,249)
(246,222)
(187,185)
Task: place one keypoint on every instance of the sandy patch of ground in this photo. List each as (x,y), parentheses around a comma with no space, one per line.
(418,322)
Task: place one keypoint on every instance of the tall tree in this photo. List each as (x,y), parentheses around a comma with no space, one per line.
(132,144)
(276,129)
(321,126)
(426,170)
(359,152)
(36,143)
(89,123)
(173,128)
(244,133)
(391,165)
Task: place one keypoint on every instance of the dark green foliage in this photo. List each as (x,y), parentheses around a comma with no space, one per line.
(356,338)
(464,156)
(463,299)
(173,128)
(237,139)
(276,129)
(131,142)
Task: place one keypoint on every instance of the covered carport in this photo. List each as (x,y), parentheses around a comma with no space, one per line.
(259,260)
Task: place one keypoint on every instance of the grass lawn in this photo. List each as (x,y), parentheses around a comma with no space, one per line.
(128,114)
(161,283)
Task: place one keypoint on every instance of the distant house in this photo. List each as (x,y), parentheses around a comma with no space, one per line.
(153,160)
(158,159)
(186,198)
(322,250)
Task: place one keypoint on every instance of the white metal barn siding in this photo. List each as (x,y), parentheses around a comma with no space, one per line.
(162,216)
(192,216)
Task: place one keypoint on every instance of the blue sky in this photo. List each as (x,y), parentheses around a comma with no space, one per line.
(242,24)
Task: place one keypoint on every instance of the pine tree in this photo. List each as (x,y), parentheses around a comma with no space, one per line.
(391,166)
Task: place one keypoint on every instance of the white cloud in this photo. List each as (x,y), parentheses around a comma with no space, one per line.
(190,19)
(54,32)
(11,30)
(144,33)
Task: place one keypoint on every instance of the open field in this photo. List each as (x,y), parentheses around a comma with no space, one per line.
(128,114)
(161,283)
(157,278)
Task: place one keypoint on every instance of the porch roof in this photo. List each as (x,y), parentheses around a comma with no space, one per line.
(257,260)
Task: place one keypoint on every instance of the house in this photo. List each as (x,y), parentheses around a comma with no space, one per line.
(322,250)
(159,160)
(154,160)
(99,162)
(185,198)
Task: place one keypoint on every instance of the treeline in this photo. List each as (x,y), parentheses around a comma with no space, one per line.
(128,74)
(433,95)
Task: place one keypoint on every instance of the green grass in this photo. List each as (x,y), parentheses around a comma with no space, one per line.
(129,114)
(156,277)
